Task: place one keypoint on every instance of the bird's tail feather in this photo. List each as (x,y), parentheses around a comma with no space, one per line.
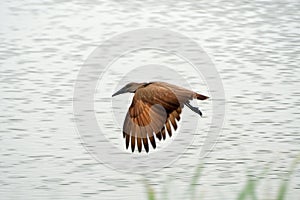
(200,96)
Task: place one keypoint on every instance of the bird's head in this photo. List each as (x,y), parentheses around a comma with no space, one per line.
(130,87)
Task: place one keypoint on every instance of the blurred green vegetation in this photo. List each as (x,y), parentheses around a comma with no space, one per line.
(248,192)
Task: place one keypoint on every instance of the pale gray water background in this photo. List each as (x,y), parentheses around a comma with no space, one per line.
(254,45)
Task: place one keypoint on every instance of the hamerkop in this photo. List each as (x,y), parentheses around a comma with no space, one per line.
(154,108)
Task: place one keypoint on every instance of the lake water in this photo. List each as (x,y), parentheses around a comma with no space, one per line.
(254,46)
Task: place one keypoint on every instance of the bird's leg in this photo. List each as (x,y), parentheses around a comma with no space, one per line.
(195,109)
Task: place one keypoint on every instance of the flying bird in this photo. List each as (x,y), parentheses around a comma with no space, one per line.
(154,108)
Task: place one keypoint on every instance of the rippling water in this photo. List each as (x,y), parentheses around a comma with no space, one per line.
(254,45)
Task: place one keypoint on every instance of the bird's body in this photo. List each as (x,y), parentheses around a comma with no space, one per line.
(154,109)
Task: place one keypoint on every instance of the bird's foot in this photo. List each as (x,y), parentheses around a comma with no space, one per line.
(195,109)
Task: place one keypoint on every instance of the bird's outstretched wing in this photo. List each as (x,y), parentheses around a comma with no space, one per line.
(155,107)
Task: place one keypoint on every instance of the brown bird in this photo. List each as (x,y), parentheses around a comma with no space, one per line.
(154,108)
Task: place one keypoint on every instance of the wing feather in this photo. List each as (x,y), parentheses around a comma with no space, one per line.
(132,143)
(163,133)
(168,128)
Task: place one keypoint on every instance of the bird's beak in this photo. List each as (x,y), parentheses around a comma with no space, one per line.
(119,92)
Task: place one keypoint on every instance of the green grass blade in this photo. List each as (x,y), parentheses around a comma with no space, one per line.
(282,190)
(150,192)
(284,184)
(194,181)
(166,187)
(249,190)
